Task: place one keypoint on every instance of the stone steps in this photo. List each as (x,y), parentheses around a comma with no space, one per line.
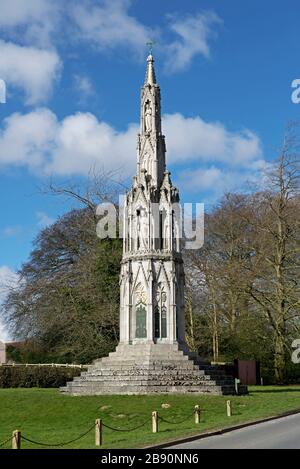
(146,361)
(154,368)
(141,354)
(165,368)
(154,373)
(97,389)
(142,380)
(183,381)
(135,355)
(151,369)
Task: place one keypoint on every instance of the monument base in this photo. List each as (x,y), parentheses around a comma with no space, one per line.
(149,368)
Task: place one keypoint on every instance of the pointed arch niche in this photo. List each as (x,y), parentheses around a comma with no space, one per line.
(160,312)
(139,313)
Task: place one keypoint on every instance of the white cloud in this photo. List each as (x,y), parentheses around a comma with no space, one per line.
(212,182)
(32,21)
(29,61)
(40,141)
(8,279)
(193,139)
(11,231)
(109,24)
(194,33)
(27,139)
(83,86)
(29,69)
(82,142)
(17,12)
(43,220)
(201,179)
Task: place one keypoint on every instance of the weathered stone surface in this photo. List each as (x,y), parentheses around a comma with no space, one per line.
(156,368)
(152,356)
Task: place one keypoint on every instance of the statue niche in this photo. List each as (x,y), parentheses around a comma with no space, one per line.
(147,163)
(142,229)
(166,232)
(148,117)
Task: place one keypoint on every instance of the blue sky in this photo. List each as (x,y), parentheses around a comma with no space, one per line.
(73,72)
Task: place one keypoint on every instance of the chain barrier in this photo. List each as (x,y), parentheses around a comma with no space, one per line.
(3,443)
(56,445)
(65,443)
(175,423)
(125,429)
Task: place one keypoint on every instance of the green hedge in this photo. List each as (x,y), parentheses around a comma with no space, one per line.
(36,376)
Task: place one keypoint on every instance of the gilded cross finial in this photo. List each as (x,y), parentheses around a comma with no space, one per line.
(150,44)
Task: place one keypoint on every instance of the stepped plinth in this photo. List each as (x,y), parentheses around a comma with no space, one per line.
(151,369)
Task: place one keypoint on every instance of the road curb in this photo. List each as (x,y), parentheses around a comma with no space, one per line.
(221,431)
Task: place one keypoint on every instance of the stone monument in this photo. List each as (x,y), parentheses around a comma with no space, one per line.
(152,356)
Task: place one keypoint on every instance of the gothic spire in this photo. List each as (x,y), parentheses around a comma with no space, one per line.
(150,78)
(151,145)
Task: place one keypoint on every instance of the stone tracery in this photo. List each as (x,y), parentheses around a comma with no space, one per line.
(150,232)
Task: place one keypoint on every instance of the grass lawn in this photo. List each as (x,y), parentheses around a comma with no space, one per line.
(47,416)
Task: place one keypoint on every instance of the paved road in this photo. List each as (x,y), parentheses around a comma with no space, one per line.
(283,433)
